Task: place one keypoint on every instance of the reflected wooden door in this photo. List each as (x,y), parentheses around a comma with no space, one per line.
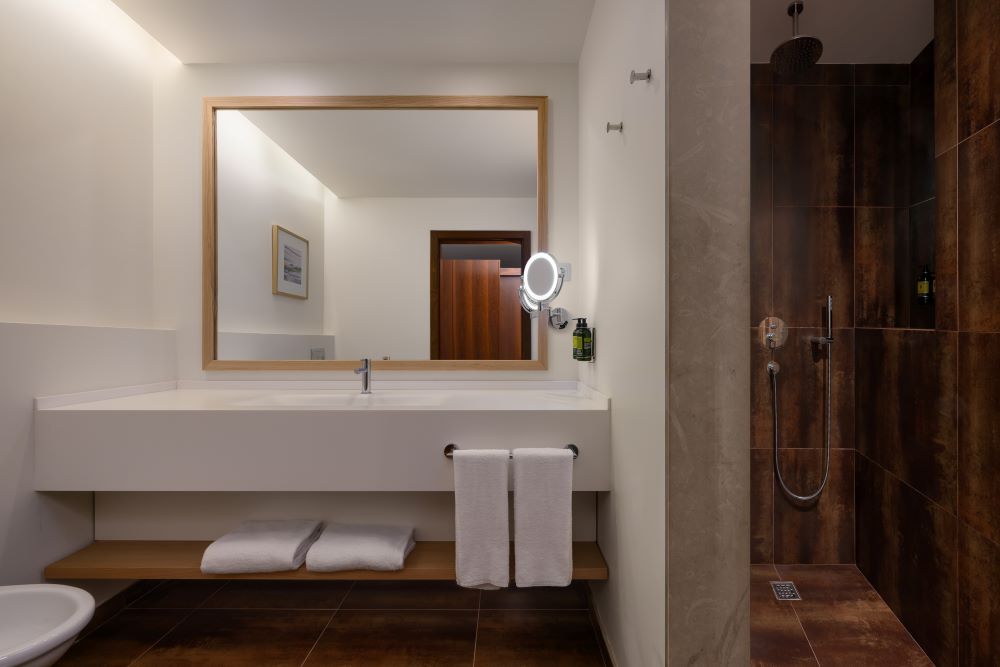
(470,309)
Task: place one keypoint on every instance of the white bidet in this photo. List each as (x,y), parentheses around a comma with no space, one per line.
(38,622)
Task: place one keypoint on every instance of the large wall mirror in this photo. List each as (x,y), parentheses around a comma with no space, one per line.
(395,228)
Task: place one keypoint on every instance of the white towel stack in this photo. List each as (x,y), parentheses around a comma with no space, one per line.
(261,546)
(482,539)
(543,517)
(346,547)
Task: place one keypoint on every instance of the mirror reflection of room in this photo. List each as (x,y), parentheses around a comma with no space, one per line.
(394,234)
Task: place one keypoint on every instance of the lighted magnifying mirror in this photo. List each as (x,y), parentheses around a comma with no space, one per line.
(541,282)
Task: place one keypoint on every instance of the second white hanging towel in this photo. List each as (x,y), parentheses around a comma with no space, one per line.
(482,533)
(543,517)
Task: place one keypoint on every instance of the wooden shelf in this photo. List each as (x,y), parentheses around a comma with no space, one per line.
(182,560)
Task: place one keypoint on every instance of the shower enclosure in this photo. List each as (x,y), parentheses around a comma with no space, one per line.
(875,195)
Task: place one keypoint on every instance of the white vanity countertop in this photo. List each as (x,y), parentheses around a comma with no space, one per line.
(208,396)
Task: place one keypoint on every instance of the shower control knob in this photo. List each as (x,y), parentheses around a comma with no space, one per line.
(773,333)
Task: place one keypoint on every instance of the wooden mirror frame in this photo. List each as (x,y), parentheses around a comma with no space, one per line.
(209,327)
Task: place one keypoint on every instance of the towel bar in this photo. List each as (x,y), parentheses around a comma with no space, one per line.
(451,447)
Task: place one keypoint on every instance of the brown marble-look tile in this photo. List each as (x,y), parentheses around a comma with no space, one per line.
(881,74)
(397,638)
(802,392)
(760,74)
(978,236)
(760,203)
(179,594)
(123,638)
(820,75)
(979,600)
(410,595)
(882,267)
(761,506)
(978,65)
(239,637)
(244,594)
(906,406)
(945,74)
(906,548)
(979,429)
(543,638)
(922,238)
(814,257)
(846,622)
(822,532)
(573,596)
(813,145)
(882,144)
(922,126)
(946,241)
(776,637)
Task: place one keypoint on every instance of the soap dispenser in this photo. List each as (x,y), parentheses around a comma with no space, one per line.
(583,341)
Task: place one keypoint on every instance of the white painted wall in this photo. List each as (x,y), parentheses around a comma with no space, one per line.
(378,269)
(623,276)
(260,185)
(76,193)
(177,188)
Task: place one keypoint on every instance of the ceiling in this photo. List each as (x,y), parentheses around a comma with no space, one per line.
(410,152)
(380,31)
(852,31)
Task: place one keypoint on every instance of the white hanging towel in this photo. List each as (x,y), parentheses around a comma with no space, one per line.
(482,534)
(543,517)
(261,546)
(345,547)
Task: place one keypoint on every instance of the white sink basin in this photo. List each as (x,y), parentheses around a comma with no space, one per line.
(341,400)
(38,622)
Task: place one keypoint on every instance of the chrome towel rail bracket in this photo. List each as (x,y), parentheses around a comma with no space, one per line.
(450,448)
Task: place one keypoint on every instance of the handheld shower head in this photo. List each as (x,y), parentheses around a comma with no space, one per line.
(800,52)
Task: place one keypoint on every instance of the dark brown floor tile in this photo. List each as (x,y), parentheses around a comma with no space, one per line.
(410,595)
(822,532)
(760,203)
(761,506)
(820,75)
(244,594)
(179,594)
(123,638)
(978,65)
(802,392)
(882,267)
(946,240)
(922,239)
(544,638)
(813,258)
(906,406)
(978,240)
(922,126)
(979,600)
(906,548)
(397,638)
(882,145)
(776,636)
(239,637)
(945,73)
(813,145)
(845,620)
(573,596)
(979,429)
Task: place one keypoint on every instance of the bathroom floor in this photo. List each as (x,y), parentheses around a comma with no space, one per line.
(344,623)
(840,620)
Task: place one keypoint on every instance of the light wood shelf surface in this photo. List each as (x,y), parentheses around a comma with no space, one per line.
(116,559)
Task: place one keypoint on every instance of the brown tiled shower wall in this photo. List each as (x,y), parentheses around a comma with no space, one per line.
(918,390)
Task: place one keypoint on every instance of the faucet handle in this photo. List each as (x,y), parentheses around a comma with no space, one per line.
(366,364)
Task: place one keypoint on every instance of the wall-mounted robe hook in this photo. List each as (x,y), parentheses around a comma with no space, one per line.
(615,127)
(640,76)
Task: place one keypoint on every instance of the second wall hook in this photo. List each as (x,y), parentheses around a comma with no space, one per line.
(640,76)
(615,127)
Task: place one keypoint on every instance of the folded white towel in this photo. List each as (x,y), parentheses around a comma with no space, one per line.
(261,546)
(344,547)
(482,538)
(543,517)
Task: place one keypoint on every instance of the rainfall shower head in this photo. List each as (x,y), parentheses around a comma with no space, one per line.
(800,52)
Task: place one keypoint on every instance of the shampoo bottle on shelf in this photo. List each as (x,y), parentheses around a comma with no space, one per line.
(924,280)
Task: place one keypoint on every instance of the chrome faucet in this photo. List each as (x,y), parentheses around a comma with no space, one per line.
(366,375)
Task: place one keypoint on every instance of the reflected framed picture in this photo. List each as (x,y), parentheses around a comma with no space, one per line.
(289,263)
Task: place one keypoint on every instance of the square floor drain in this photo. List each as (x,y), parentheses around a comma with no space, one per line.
(785,590)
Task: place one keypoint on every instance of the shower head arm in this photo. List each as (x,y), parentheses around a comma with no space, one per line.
(794,9)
